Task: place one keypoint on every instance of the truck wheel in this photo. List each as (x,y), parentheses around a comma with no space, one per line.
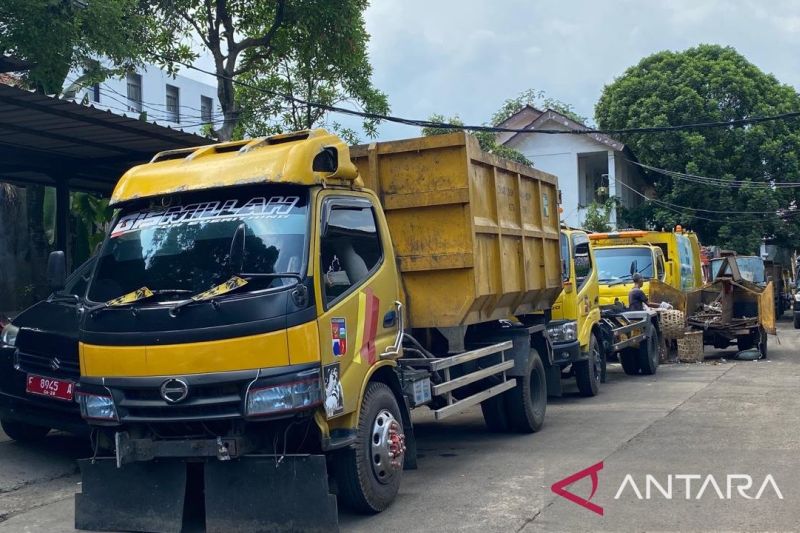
(746,342)
(22,431)
(494,414)
(368,475)
(629,358)
(796,321)
(589,373)
(647,354)
(526,403)
(762,342)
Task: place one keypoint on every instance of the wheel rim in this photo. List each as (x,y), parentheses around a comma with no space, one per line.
(387,446)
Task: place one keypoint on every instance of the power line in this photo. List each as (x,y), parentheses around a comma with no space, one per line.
(717,182)
(494,129)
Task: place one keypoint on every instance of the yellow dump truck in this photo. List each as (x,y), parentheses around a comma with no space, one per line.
(265,312)
(584,335)
(669,262)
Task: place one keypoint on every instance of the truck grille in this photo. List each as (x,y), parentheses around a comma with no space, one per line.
(47,354)
(216,401)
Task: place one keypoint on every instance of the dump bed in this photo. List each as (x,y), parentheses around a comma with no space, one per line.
(476,236)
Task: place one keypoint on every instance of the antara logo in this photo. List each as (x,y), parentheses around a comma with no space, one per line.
(559,487)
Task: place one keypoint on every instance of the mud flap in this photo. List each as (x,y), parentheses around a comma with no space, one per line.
(269,493)
(137,497)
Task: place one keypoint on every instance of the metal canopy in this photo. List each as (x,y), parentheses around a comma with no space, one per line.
(56,142)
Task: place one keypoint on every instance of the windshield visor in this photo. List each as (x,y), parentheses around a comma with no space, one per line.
(619,264)
(183,247)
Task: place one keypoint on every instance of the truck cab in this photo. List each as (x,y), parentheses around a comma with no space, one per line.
(573,329)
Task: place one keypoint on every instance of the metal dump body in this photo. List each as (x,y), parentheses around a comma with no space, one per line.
(476,236)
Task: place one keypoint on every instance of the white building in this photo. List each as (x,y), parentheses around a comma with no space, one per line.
(151,93)
(583,163)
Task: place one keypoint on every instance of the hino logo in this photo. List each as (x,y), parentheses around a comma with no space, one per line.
(174,390)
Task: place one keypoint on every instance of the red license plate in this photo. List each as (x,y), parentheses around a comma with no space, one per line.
(52,388)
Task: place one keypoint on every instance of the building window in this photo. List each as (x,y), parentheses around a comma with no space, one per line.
(134,92)
(173,104)
(94,92)
(206,108)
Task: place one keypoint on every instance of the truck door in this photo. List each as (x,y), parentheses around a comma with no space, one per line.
(358,288)
(586,286)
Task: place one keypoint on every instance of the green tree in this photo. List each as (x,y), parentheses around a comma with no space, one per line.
(538,99)
(487,140)
(327,64)
(598,215)
(56,36)
(704,84)
(310,49)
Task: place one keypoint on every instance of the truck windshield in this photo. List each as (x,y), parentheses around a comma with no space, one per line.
(619,264)
(751,268)
(183,247)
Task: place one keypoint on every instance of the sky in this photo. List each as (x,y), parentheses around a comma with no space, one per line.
(466,57)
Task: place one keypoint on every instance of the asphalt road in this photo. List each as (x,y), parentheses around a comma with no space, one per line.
(719,418)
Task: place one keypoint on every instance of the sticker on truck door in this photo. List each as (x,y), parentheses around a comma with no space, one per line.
(334,394)
(339,336)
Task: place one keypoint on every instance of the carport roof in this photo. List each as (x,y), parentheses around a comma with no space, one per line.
(45,140)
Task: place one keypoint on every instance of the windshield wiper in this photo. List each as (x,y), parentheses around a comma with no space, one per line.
(621,279)
(234,283)
(136,296)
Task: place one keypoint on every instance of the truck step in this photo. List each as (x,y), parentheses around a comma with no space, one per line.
(475,399)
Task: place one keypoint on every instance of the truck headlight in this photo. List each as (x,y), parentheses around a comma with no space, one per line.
(563,332)
(284,397)
(96,407)
(796,299)
(8,336)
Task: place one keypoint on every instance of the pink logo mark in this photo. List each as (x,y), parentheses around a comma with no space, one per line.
(559,487)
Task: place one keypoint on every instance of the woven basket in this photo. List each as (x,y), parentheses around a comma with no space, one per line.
(690,347)
(673,323)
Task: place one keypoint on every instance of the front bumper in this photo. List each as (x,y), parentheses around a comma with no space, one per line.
(568,352)
(16,404)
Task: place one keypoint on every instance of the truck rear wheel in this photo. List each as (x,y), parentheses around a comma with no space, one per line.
(629,358)
(22,431)
(527,402)
(494,414)
(589,373)
(796,321)
(762,342)
(647,354)
(746,342)
(368,475)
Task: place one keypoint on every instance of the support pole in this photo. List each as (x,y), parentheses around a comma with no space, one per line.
(62,218)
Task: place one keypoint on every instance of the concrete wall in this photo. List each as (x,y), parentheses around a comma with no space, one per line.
(114,91)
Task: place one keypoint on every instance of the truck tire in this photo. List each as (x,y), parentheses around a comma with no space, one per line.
(629,358)
(746,342)
(527,402)
(22,431)
(368,474)
(796,321)
(647,354)
(494,414)
(589,373)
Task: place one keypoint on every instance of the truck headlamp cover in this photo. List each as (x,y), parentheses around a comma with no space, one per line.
(96,407)
(563,332)
(284,397)
(9,335)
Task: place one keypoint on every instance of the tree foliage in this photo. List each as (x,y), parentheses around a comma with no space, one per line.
(598,215)
(307,49)
(56,36)
(539,100)
(487,140)
(327,64)
(704,84)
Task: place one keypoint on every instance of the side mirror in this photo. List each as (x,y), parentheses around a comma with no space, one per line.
(236,253)
(56,270)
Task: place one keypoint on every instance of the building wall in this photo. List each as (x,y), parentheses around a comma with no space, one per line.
(114,91)
(558,154)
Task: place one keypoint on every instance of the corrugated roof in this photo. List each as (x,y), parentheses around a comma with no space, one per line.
(44,139)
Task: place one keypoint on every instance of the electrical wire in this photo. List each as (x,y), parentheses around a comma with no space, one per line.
(491,129)
(717,182)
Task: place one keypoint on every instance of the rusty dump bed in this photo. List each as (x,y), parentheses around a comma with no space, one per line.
(477,237)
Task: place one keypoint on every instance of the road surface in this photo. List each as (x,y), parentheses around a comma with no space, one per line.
(721,418)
